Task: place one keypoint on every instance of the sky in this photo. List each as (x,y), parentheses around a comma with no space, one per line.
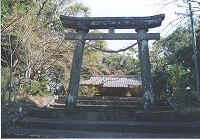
(132,8)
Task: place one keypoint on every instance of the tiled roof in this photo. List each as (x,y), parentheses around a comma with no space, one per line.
(113,81)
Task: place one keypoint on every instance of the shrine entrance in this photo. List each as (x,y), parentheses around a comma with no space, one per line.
(82,25)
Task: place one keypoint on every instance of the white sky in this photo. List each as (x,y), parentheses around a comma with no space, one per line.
(127,8)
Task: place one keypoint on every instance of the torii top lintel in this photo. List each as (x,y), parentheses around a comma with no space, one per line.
(107,22)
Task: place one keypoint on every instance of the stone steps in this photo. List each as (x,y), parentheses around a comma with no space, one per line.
(105,121)
(111,107)
(113,103)
(109,126)
(62,99)
(40,123)
(123,115)
(21,132)
(111,98)
(102,102)
(88,123)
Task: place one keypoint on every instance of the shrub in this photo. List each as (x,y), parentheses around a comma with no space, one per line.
(39,85)
(88,91)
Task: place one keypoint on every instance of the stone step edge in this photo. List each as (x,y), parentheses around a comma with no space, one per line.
(21,132)
(112,126)
(77,122)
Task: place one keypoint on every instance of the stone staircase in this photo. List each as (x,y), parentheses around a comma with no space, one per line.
(113,103)
(105,117)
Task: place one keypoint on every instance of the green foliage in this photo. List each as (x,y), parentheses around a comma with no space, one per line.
(160,83)
(39,85)
(88,91)
(37,40)
(112,63)
(131,65)
(23,5)
(178,78)
(187,98)
(78,9)
(126,63)
(9,47)
(173,71)
(194,98)
(6,8)
(128,94)
(25,89)
(179,40)
(4,77)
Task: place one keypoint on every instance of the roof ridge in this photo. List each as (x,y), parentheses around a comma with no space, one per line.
(117,76)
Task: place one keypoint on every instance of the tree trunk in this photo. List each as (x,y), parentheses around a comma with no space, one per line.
(15,90)
(10,67)
(5,90)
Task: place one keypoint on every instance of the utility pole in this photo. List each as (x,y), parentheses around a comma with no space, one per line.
(195,50)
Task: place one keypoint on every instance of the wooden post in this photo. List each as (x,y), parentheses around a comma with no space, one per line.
(73,88)
(145,67)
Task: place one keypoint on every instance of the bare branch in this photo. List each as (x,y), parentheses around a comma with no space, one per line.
(173,26)
(170,23)
(41,8)
(18,18)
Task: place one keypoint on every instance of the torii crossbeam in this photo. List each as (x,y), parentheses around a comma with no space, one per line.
(82,26)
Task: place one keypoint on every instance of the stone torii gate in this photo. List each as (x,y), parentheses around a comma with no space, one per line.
(82,26)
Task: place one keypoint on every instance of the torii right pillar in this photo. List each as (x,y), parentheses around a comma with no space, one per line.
(145,66)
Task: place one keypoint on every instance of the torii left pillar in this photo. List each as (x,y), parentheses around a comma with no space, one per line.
(76,68)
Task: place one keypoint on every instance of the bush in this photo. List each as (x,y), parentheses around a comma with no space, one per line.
(39,85)
(88,91)
(128,94)
(185,98)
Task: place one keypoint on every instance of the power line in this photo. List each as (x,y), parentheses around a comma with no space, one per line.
(173,27)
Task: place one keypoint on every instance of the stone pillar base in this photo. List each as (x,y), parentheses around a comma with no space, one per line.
(70,103)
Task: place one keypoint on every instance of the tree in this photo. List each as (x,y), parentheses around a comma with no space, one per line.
(37,38)
(173,63)
(9,59)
